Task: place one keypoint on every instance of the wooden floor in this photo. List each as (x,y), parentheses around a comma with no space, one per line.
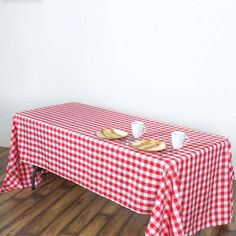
(59,207)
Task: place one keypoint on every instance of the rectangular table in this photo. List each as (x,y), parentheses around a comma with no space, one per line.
(184,191)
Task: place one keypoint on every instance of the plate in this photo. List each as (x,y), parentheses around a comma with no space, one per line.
(111,133)
(149,145)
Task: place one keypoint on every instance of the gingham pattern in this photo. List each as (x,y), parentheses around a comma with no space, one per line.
(184,191)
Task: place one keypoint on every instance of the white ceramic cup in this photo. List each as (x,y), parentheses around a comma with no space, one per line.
(138,129)
(178,139)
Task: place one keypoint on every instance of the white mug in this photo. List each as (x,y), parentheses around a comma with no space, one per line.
(178,139)
(138,129)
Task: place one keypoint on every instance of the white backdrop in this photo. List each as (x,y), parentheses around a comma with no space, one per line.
(167,60)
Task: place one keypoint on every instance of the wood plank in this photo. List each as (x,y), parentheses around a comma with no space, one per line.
(4,156)
(61,234)
(27,206)
(37,209)
(2,177)
(226,233)
(3,160)
(102,218)
(13,201)
(134,225)
(94,226)
(142,231)
(5,196)
(3,164)
(210,231)
(20,234)
(26,192)
(116,223)
(4,153)
(42,189)
(110,209)
(49,214)
(66,217)
(86,215)
(7,206)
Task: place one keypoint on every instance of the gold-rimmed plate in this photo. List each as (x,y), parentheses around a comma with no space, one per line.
(149,145)
(111,134)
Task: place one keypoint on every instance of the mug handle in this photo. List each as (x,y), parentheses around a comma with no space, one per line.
(186,139)
(144,129)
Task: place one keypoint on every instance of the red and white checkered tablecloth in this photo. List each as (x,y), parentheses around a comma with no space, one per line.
(184,191)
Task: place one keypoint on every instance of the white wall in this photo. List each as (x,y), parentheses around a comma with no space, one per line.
(168,60)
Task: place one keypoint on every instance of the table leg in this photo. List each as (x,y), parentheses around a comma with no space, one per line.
(35,170)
